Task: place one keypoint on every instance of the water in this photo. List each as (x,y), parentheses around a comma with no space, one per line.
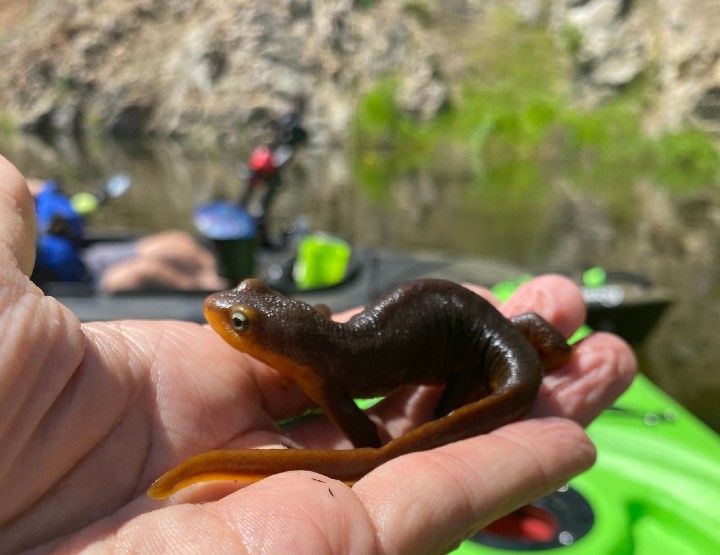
(551,224)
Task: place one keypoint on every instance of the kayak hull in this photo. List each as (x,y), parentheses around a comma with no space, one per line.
(655,487)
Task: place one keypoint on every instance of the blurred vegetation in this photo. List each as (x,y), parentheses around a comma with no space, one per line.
(7,126)
(512,124)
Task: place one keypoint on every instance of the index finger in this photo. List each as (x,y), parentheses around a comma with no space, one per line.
(427,502)
(554,297)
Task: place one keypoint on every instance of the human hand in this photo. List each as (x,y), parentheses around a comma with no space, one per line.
(91,414)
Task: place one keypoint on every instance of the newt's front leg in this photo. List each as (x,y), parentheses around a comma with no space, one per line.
(351,420)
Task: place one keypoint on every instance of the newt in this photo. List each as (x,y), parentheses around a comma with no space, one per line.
(424,332)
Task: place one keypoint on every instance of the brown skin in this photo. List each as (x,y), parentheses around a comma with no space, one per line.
(425,332)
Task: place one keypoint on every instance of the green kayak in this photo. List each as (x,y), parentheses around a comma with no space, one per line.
(654,489)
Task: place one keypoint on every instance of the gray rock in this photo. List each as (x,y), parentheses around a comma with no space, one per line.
(199,68)
(422,92)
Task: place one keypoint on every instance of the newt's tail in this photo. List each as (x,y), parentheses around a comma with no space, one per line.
(252,465)
(347,465)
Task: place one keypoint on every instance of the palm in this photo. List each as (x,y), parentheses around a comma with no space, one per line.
(138,397)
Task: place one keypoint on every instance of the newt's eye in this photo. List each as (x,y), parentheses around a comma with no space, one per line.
(240,321)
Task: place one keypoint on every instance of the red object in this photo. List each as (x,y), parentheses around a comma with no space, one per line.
(261,161)
(531,524)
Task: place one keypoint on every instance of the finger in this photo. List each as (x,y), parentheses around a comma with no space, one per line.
(556,298)
(602,368)
(485,293)
(293,512)
(427,502)
(17,218)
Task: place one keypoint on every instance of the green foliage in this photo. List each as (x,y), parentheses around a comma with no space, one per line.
(7,126)
(63,86)
(572,39)
(420,11)
(512,118)
(384,141)
(685,158)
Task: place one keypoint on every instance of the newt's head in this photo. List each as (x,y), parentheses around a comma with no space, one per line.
(261,322)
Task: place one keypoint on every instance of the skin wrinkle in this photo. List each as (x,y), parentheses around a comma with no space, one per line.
(311,521)
(610,376)
(254,542)
(15,299)
(463,484)
(66,482)
(517,440)
(136,354)
(78,382)
(241,429)
(15,194)
(177,429)
(205,520)
(12,335)
(312,516)
(74,477)
(64,404)
(110,531)
(261,421)
(212,437)
(197,386)
(131,348)
(342,495)
(279,397)
(117,529)
(607,373)
(145,394)
(32,420)
(597,391)
(432,460)
(138,454)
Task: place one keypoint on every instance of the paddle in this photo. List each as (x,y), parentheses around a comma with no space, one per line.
(86,203)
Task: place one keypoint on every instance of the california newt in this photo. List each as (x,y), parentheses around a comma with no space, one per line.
(428,332)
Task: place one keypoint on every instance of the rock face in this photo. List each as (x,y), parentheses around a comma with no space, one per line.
(674,43)
(199,68)
(203,69)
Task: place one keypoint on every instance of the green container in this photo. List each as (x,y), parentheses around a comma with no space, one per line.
(321,261)
(236,257)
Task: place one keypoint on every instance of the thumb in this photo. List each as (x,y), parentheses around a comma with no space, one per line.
(17,219)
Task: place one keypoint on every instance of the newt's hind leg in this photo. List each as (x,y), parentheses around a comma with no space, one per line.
(549,343)
(466,387)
